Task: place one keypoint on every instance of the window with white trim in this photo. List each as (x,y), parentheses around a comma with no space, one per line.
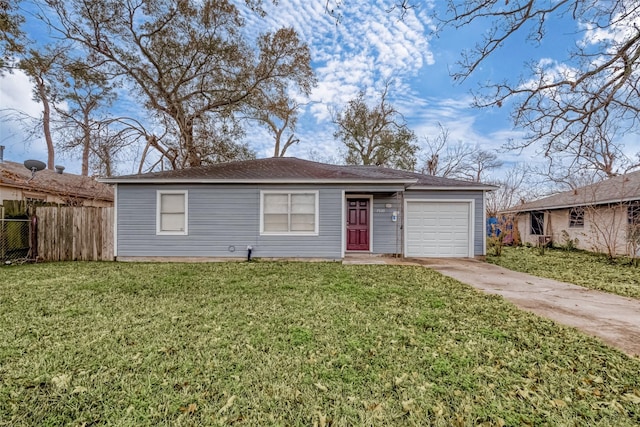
(172,212)
(289,212)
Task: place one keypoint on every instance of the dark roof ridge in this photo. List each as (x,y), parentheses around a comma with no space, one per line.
(283,169)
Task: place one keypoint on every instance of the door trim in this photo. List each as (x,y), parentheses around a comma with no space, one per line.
(472,208)
(344,220)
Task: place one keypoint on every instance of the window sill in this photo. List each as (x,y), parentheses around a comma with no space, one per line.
(283,234)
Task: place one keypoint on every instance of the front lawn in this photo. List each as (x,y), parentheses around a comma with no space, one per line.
(317,344)
(582,268)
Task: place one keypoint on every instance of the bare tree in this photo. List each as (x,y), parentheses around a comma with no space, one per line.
(605,234)
(600,157)
(375,135)
(607,222)
(560,104)
(112,141)
(105,146)
(514,187)
(442,158)
(633,232)
(456,160)
(480,162)
(329,158)
(188,60)
(602,152)
(561,176)
(30,126)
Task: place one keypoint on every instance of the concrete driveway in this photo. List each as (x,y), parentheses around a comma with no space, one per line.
(613,319)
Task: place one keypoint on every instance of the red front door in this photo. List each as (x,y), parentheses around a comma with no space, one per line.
(358,224)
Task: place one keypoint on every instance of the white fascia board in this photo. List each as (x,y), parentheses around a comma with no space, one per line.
(252,181)
(461,188)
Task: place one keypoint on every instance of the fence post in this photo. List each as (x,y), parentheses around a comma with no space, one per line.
(33,236)
(2,252)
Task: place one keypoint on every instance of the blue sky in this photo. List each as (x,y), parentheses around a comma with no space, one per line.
(367,47)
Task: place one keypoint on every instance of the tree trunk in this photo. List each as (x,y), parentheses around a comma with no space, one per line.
(86,144)
(108,169)
(276,148)
(290,141)
(46,123)
(192,158)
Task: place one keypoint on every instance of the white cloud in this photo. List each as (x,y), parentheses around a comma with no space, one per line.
(463,123)
(15,90)
(622,28)
(366,47)
(553,71)
(15,99)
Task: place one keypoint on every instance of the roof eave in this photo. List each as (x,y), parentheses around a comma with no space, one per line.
(573,205)
(453,187)
(52,192)
(251,181)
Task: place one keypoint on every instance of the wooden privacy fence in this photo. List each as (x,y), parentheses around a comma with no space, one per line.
(75,233)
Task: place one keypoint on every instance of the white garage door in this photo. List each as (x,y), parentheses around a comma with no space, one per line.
(438,229)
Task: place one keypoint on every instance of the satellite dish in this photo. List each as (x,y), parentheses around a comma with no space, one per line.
(34,166)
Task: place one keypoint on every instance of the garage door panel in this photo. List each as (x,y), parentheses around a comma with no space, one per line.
(438,229)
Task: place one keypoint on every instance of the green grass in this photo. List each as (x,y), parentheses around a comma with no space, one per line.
(290,344)
(582,268)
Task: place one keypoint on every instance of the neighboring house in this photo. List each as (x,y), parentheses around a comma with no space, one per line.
(17,183)
(601,217)
(293,208)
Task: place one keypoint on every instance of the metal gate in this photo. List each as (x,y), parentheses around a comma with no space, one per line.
(15,239)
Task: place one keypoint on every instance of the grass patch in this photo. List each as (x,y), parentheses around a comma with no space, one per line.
(582,268)
(291,344)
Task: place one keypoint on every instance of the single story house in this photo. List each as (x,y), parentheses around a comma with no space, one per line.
(19,184)
(293,208)
(601,217)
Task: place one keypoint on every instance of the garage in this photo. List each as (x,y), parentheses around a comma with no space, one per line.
(438,229)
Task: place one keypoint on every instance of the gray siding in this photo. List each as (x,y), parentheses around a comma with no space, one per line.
(224,216)
(477,196)
(221,217)
(387,235)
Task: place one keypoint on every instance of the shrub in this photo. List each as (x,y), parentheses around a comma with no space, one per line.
(568,244)
(495,245)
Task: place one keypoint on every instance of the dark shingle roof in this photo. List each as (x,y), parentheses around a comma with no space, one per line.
(47,181)
(421,179)
(618,189)
(292,170)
